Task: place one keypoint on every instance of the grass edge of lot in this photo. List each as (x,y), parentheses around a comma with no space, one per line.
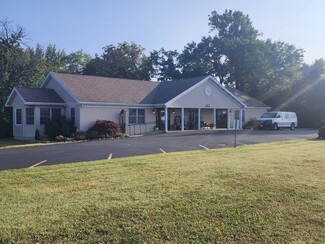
(242,195)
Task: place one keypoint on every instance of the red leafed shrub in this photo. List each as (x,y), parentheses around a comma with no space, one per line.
(103,129)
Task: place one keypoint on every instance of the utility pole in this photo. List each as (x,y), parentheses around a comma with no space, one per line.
(235,142)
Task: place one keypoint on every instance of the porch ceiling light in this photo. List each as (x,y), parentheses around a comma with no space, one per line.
(173,111)
(153,111)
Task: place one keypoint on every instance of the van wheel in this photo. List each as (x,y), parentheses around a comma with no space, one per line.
(275,126)
(292,126)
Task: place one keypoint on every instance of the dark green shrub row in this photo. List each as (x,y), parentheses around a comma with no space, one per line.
(59,127)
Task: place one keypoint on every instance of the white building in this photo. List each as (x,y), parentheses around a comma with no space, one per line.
(187,104)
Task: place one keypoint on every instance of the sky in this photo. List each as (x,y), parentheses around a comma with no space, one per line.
(91,25)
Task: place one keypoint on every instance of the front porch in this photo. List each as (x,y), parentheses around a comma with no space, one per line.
(181,119)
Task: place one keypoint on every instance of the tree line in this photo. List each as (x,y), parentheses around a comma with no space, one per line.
(273,72)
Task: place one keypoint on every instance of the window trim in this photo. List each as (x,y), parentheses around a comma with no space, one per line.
(21,117)
(26,118)
(51,113)
(133,116)
(137,116)
(40,115)
(142,116)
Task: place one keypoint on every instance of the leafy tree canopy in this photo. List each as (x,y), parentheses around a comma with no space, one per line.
(122,61)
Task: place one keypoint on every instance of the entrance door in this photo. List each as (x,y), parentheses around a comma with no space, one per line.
(192,123)
(221,118)
(160,118)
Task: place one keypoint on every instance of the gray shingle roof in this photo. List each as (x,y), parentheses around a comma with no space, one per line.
(108,90)
(39,95)
(169,89)
(247,100)
(115,90)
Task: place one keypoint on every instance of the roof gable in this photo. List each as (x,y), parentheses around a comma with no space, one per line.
(200,81)
(168,90)
(35,96)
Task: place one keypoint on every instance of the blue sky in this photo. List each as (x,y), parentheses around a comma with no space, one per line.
(92,24)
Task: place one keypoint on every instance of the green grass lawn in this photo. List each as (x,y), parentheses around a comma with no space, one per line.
(266,193)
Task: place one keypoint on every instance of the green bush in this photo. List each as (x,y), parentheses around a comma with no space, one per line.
(103,129)
(37,135)
(60,138)
(59,127)
(79,135)
(321,133)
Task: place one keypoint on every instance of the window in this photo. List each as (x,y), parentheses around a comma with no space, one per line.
(44,115)
(56,113)
(141,116)
(269,115)
(73,115)
(136,116)
(18,116)
(29,116)
(132,116)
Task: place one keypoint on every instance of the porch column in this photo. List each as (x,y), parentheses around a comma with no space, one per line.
(199,119)
(182,119)
(166,119)
(228,119)
(240,119)
(214,118)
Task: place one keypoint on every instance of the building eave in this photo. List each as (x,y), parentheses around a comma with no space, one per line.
(14,90)
(103,104)
(44,104)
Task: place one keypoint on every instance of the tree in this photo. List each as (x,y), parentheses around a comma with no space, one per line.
(231,32)
(12,66)
(234,54)
(121,61)
(76,62)
(232,26)
(306,96)
(165,65)
(56,59)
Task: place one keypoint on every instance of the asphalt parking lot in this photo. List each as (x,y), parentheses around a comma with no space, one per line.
(149,144)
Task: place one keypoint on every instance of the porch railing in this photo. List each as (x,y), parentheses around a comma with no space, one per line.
(139,129)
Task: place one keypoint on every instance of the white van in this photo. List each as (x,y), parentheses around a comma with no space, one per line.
(276,120)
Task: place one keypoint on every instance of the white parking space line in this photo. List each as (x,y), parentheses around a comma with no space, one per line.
(44,161)
(204,147)
(110,156)
(162,150)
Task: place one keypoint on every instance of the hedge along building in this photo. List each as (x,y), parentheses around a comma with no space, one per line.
(143,106)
